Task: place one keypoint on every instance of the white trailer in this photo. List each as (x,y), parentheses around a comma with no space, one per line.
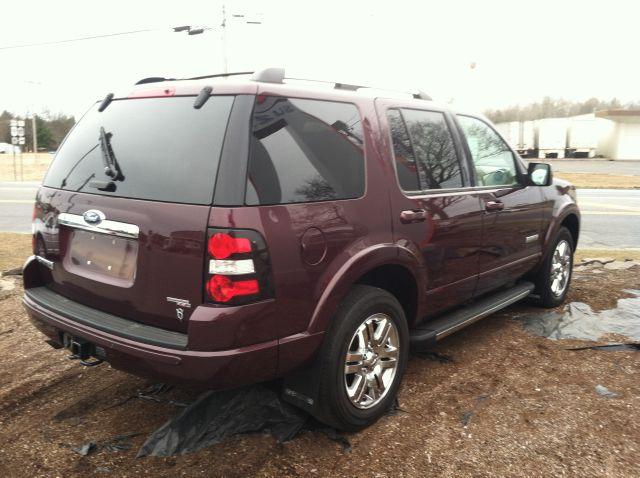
(510,131)
(520,135)
(583,136)
(528,141)
(551,137)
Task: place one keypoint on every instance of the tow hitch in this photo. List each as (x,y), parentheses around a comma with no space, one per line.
(81,350)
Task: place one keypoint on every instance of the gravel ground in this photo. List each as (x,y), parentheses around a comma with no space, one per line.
(505,404)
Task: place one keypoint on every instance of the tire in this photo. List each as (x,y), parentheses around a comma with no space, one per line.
(349,332)
(546,289)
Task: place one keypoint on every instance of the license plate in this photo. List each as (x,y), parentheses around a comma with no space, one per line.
(102,257)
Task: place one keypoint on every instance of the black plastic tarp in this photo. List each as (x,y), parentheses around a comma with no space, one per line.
(214,416)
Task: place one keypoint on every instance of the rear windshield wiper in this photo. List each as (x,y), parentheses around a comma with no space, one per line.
(111,167)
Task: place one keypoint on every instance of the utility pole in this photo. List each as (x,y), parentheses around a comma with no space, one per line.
(223,32)
(224,40)
(35,135)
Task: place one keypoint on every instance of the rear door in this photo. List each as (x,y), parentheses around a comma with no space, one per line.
(433,209)
(512,211)
(132,243)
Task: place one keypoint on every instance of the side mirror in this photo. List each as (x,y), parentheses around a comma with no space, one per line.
(540,174)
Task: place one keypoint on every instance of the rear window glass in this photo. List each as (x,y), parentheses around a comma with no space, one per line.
(165,150)
(304,150)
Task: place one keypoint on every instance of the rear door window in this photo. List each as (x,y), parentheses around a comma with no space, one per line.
(164,148)
(304,150)
(424,150)
(406,167)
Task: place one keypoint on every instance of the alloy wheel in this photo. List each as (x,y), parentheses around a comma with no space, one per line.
(371,361)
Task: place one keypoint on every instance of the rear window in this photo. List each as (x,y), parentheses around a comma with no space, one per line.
(304,150)
(164,148)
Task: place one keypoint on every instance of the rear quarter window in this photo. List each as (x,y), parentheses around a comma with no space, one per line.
(303,151)
(165,149)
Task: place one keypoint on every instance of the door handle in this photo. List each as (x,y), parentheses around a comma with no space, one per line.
(494,206)
(413,215)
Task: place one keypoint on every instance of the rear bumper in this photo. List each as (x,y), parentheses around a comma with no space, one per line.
(148,351)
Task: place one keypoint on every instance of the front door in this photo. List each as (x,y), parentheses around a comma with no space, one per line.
(513,211)
(434,212)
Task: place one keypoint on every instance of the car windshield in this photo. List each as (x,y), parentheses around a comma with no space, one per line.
(166,150)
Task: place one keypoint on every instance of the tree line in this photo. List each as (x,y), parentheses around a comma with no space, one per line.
(555,108)
(51,130)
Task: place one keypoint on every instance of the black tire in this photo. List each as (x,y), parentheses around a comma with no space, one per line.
(334,406)
(548,298)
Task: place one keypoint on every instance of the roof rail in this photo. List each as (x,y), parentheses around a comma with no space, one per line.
(157,79)
(219,75)
(153,79)
(277,75)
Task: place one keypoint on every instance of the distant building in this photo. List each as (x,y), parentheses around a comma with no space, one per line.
(621,140)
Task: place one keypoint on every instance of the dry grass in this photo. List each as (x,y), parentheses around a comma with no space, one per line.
(33,169)
(619,255)
(601,181)
(14,250)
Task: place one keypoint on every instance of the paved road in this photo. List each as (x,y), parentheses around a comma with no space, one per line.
(611,217)
(16,205)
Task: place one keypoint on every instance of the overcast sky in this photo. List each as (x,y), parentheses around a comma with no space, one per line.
(522,50)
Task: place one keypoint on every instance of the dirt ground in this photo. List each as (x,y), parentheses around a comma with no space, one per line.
(600,180)
(506,404)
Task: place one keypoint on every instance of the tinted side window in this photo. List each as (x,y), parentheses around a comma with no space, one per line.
(492,159)
(304,150)
(435,151)
(406,168)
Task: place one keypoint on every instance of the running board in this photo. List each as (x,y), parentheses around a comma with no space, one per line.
(428,333)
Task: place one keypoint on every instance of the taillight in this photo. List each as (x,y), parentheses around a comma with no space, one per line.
(237,269)
(223,289)
(222,245)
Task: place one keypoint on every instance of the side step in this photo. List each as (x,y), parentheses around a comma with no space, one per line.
(426,334)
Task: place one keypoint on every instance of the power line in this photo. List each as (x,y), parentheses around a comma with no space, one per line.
(70,40)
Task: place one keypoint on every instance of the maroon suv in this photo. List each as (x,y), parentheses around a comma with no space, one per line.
(233,229)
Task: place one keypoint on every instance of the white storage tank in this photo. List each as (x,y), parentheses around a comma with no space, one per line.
(551,137)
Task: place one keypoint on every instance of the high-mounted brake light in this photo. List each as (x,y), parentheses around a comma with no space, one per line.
(223,289)
(152,92)
(222,245)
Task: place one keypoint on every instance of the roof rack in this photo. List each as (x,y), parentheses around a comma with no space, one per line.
(277,75)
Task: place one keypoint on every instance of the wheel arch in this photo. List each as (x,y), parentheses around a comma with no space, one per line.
(373,266)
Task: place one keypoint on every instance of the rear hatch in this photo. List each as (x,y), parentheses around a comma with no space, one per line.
(123,210)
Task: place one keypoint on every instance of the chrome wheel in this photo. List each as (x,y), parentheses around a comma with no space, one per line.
(560,268)
(371,361)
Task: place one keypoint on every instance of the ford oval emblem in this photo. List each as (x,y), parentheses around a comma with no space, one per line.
(93,217)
